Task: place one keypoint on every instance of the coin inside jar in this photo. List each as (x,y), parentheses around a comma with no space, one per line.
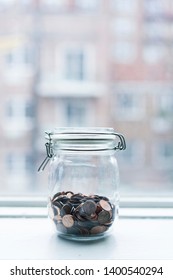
(79,214)
(66,209)
(104,217)
(89,207)
(68,221)
(105,205)
(98,229)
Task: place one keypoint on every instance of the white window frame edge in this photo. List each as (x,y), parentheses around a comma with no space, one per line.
(136,207)
(125,201)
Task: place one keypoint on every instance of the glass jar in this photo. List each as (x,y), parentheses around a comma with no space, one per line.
(83,180)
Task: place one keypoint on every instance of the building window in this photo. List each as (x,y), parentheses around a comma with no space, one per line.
(19,109)
(123,27)
(54,3)
(76,112)
(124,52)
(17,163)
(163,116)
(129,106)
(163,112)
(154,53)
(163,154)
(156,30)
(19,57)
(18,118)
(75,61)
(75,64)
(124,6)
(87,4)
(155,7)
(6,4)
(165,105)
(18,64)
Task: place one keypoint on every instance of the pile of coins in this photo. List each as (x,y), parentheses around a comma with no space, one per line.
(80,214)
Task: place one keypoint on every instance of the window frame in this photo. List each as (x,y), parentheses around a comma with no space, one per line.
(130,207)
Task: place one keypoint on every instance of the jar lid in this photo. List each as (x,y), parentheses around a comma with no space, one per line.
(81,133)
(82,139)
(89,138)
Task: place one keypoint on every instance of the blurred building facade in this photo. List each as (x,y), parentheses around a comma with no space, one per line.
(87,63)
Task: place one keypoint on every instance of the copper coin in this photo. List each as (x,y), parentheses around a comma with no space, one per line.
(93,217)
(84,231)
(66,209)
(76,197)
(69,194)
(99,209)
(89,207)
(104,198)
(68,221)
(57,203)
(64,199)
(96,198)
(104,217)
(74,230)
(81,211)
(86,224)
(56,196)
(105,205)
(109,224)
(98,229)
(79,216)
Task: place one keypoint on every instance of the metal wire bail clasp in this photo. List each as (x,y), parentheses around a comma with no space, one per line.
(49,152)
(122,143)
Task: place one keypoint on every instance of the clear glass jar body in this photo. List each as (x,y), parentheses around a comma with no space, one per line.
(83,181)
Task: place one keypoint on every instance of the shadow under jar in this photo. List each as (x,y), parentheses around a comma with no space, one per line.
(83,180)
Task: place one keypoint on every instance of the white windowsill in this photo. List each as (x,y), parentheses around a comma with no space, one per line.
(28,238)
(130,207)
(143,231)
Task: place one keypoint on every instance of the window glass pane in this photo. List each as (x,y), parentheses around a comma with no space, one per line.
(87,63)
(130,105)
(124,52)
(124,6)
(123,27)
(156,7)
(74,65)
(154,53)
(53,3)
(75,113)
(87,4)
